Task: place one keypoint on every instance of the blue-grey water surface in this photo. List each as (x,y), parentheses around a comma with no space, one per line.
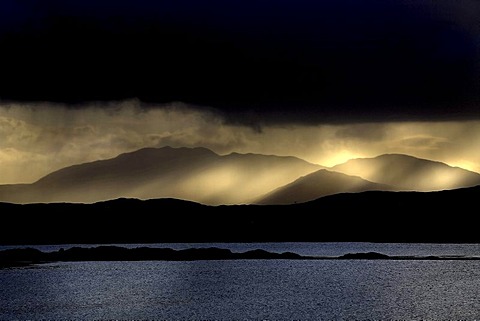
(247,289)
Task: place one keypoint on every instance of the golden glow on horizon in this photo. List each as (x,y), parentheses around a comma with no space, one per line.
(445,179)
(220,185)
(360,169)
(212,186)
(339,157)
(468,165)
(37,139)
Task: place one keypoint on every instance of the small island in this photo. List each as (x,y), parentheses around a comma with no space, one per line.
(27,256)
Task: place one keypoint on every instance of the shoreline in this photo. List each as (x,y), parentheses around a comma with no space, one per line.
(22,257)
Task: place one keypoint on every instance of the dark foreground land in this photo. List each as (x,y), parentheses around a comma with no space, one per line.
(444,217)
(28,256)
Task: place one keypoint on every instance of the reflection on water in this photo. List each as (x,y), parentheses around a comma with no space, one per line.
(243,290)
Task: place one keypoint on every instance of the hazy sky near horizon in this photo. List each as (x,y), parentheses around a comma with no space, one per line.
(325,81)
(38,138)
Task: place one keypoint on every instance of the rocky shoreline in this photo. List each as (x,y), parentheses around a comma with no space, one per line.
(28,256)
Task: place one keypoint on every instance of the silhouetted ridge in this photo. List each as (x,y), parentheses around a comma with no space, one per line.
(137,162)
(365,256)
(27,256)
(372,216)
(16,257)
(404,172)
(196,174)
(318,184)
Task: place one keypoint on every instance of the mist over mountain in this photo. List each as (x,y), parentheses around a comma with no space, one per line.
(200,175)
(405,172)
(196,174)
(317,184)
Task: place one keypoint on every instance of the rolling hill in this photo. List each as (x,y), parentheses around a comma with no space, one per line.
(196,174)
(405,172)
(318,184)
(372,216)
(200,175)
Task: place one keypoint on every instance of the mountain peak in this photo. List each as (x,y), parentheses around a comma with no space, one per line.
(197,174)
(407,172)
(405,157)
(319,184)
(152,151)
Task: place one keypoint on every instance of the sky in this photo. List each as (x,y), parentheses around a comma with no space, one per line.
(321,80)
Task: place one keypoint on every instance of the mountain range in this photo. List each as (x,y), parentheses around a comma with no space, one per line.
(202,176)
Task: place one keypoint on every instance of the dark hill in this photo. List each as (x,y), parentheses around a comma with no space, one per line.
(445,216)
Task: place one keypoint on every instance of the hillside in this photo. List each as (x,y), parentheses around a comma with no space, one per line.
(319,184)
(196,174)
(372,216)
(409,173)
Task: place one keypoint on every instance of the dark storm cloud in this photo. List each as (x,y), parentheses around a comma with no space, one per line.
(254,61)
(364,132)
(36,139)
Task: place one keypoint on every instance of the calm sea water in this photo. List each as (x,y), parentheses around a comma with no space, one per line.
(252,289)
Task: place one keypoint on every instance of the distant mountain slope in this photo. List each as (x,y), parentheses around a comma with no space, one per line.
(318,184)
(409,173)
(372,216)
(196,174)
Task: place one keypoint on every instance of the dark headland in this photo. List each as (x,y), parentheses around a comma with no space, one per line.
(443,217)
(27,256)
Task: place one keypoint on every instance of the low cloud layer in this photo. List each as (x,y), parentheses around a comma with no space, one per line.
(38,138)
